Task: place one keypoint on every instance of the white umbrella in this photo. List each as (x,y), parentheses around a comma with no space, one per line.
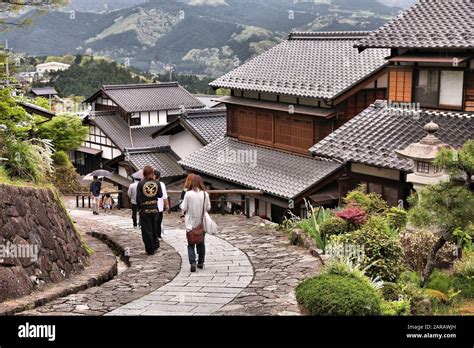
(100,173)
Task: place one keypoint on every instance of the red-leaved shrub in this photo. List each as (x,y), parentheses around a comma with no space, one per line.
(355,216)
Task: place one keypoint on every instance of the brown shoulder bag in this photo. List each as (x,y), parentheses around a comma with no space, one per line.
(196,235)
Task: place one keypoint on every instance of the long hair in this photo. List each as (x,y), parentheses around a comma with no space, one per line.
(198,184)
(148,172)
(188,182)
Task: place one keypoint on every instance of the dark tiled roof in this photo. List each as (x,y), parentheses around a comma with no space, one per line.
(317,65)
(428,24)
(37,110)
(276,172)
(162,159)
(119,132)
(152,96)
(372,137)
(44,91)
(209,124)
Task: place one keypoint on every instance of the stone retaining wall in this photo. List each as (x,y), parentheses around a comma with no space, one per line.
(35,226)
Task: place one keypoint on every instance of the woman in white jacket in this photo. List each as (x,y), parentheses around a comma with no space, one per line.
(194,201)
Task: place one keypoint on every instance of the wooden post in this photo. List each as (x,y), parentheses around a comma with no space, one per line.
(247,207)
(222,202)
(89,201)
(83,203)
(77,201)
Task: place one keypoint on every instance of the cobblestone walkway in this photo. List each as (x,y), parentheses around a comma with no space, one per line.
(251,269)
(226,273)
(145,274)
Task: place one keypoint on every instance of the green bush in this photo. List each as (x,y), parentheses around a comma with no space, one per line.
(463,275)
(397,218)
(23,162)
(334,226)
(61,158)
(382,252)
(332,294)
(391,291)
(372,203)
(419,304)
(394,308)
(410,277)
(440,281)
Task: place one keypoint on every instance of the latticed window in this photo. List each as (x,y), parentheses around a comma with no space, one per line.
(423,167)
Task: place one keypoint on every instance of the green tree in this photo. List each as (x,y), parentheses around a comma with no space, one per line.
(458,163)
(65,131)
(14,120)
(9,7)
(445,207)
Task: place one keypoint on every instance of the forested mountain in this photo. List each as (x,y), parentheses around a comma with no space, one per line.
(195,36)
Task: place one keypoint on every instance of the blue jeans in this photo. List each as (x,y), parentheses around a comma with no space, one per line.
(201,250)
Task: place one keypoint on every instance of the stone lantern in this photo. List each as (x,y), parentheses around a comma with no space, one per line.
(423,154)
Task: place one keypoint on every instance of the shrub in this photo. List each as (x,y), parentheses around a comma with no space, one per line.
(61,158)
(354,216)
(397,218)
(372,203)
(332,294)
(440,281)
(419,304)
(410,277)
(22,161)
(463,275)
(393,308)
(416,246)
(391,291)
(382,252)
(334,227)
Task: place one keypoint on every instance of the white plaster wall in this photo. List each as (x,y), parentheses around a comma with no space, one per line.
(184,144)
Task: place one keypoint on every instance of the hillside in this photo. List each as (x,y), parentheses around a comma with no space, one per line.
(85,79)
(193,36)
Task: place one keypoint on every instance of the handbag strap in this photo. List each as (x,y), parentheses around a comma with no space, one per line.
(203,206)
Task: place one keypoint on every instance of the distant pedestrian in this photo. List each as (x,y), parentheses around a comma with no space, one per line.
(132,194)
(94,190)
(163,204)
(195,204)
(148,193)
(108,203)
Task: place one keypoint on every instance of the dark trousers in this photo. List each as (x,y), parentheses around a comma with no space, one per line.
(158,225)
(201,250)
(134,214)
(149,223)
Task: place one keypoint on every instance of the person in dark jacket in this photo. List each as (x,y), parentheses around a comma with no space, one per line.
(148,193)
(94,189)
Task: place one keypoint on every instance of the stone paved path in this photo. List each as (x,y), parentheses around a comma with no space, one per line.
(145,274)
(251,269)
(226,273)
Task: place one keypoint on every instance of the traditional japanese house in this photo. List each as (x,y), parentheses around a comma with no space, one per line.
(45,92)
(431,78)
(280,104)
(121,124)
(194,129)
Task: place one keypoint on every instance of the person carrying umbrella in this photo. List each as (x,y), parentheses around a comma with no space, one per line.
(148,193)
(94,190)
